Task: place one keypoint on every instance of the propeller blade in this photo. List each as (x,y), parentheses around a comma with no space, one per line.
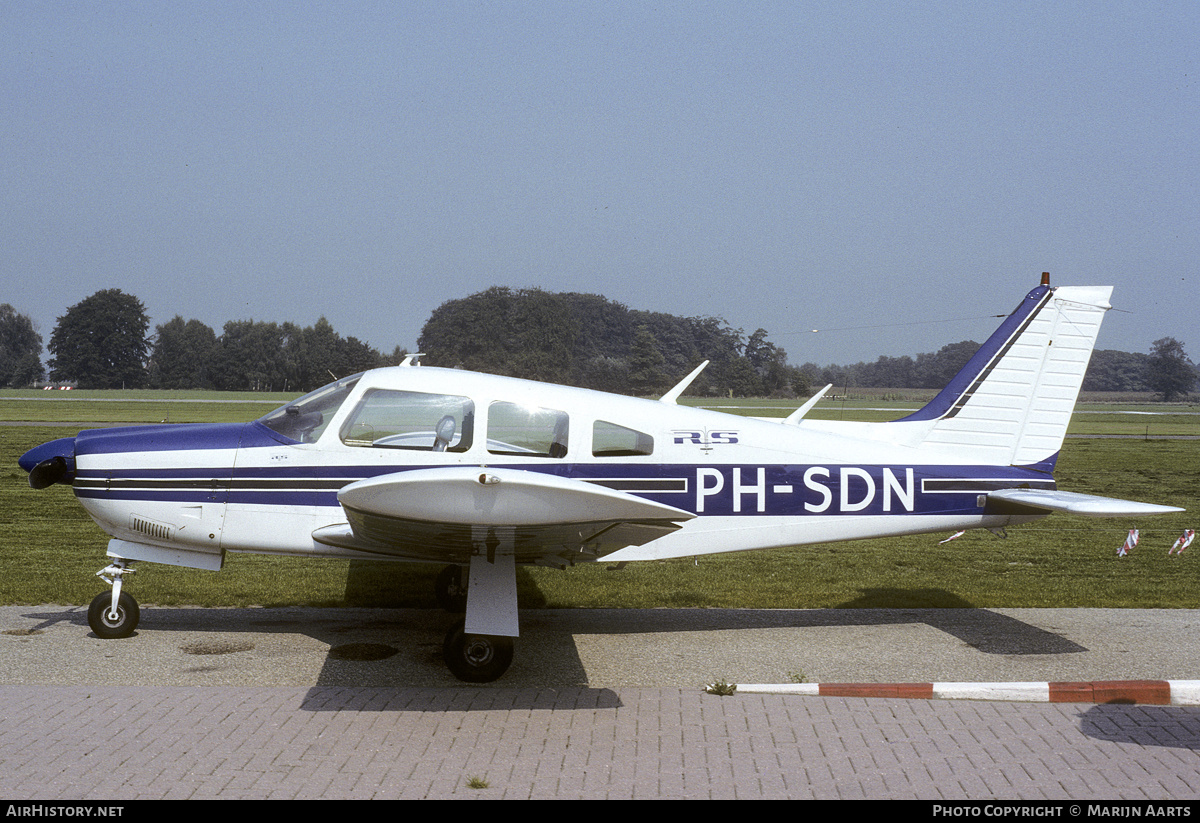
(47,473)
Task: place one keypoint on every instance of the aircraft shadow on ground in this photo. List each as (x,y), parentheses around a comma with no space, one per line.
(399,650)
(986,631)
(1175,727)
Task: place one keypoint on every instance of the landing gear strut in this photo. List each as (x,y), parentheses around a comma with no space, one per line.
(114,614)
(489,602)
(451,589)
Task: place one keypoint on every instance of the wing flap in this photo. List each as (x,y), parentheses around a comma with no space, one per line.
(447,514)
(1089,505)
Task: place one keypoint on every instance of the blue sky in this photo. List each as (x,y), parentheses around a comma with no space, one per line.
(890,173)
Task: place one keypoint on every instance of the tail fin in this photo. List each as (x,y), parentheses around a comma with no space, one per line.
(1012,402)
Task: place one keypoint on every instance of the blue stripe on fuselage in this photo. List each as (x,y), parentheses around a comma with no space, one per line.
(782,490)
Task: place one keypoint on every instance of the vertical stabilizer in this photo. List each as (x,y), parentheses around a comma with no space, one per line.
(1012,402)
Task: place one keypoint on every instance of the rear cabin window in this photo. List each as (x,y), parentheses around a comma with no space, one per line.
(411,420)
(611,440)
(526,431)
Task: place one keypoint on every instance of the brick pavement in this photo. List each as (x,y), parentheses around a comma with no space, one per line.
(117,743)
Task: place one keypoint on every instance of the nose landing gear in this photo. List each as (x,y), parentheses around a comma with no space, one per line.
(114,614)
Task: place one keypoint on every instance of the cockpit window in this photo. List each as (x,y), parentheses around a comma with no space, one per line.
(411,420)
(526,431)
(305,418)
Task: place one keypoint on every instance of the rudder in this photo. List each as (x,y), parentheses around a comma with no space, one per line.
(1011,404)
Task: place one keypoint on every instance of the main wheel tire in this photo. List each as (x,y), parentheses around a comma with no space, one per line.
(104,625)
(451,589)
(476,658)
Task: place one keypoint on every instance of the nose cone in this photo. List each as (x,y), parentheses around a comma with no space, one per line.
(50,463)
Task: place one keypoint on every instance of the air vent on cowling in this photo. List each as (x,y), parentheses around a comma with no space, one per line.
(151,528)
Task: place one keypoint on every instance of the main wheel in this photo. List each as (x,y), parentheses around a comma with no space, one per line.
(476,658)
(451,590)
(107,626)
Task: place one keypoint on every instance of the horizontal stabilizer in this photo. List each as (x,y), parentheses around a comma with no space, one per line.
(1089,505)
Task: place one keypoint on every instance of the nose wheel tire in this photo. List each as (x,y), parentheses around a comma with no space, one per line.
(476,658)
(108,625)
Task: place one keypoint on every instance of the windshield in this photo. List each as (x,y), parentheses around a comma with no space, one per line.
(305,418)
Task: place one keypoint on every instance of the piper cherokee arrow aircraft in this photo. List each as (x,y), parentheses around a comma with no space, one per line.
(482,473)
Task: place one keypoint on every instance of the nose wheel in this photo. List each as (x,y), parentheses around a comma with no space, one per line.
(110,623)
(114,614)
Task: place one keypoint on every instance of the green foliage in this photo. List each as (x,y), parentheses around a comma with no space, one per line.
(1169,371)
(101,343)
(1112,370)
(252,355)
(646,364)
(588,340)
(1108,371)
(182,355)
(526,333)
(931,370)
(20,349)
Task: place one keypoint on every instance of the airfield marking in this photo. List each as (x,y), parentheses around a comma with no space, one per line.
(1141,692)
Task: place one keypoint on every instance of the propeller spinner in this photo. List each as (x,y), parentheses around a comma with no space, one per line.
(50,463)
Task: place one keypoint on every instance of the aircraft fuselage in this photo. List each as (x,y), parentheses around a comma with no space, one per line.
(206,489)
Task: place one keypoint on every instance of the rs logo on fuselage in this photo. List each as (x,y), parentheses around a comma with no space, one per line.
(705,438)
(815,490)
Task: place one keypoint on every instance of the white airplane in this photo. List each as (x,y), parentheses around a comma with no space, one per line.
(482,473)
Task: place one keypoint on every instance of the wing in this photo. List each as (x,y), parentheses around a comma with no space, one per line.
(1075,503)
(446,514)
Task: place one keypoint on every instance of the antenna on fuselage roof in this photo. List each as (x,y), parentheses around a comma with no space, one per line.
(798,414)
(673,395)
(412,359)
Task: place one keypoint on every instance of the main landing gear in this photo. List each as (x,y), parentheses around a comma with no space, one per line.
(114,614)
(476,658)
(451,589)
(472,658)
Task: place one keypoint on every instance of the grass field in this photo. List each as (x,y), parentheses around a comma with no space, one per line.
(52,550)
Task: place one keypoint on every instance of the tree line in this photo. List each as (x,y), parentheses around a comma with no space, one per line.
(1165,370)
(577,339)
(590,341)
(103,342)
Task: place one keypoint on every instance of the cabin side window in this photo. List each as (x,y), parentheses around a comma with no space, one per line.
(526,431)
(411,420)
(611,440)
